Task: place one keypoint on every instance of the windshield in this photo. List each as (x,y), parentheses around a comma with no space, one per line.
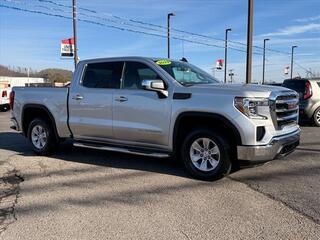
(185,73)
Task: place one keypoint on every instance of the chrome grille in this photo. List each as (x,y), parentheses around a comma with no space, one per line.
(284,109)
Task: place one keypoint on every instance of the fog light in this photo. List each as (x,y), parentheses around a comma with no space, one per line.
(261,131)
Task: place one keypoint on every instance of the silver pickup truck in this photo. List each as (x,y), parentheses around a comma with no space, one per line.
(161,108)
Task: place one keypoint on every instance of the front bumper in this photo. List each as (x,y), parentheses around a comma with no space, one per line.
(279,146)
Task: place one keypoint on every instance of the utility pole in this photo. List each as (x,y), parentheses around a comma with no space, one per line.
(292,48)
(74,18)
(264,58)
(168,31)
(249,41)
(226,54)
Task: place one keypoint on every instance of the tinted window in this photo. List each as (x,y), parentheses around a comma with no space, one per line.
(296,85)
(103,75)
(318,84)
(135,72)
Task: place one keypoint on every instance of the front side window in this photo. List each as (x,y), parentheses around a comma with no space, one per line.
(186,73)
(103,75)
(135,73)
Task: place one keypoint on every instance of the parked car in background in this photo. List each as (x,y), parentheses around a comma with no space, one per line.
(309,97)
(4,99)
(161,108)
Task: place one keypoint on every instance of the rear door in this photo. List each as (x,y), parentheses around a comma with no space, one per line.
(90,101)
(140,116)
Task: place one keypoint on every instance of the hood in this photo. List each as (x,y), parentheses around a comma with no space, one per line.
(243,90)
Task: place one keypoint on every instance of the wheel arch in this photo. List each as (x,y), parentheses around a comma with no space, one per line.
(33,111)
(185,119)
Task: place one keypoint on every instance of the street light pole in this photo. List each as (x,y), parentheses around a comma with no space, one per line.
(292,48)
(226,54)
(264,58)
(74,18)
(168,33)
(249,41)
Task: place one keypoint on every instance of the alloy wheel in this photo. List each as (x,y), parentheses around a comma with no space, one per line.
(205,154)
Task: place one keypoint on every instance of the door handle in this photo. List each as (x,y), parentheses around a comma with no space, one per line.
(77,97)
(121,99)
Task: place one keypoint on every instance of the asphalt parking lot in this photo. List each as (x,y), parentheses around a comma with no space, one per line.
(86,194)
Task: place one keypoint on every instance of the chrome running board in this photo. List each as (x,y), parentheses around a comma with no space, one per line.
(122,150)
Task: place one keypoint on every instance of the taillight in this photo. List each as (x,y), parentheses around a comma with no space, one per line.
(4,94)
(11,99)
(308,91)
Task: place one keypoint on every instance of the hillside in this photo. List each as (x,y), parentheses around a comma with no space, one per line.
(56,75)
(53,74)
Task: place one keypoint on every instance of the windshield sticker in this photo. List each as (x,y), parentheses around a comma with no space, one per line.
(163,62)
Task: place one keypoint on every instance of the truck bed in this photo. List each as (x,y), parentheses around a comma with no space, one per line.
(53,99)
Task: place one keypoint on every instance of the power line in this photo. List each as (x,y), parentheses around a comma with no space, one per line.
(149,24)
(116,27)
(162,27)
(307,70)
(157,30)
(158,27)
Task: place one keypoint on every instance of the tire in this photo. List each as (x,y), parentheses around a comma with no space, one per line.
(4,108)
(48,144)
(208,172)
(316,117)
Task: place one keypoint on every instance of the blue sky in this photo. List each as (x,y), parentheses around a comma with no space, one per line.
(33,40)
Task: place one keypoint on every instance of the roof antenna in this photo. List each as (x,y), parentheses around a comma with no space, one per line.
(183,59)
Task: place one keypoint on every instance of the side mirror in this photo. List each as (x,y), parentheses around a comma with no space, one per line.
(155,85)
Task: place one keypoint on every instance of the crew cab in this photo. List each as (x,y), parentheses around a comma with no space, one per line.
(161,108)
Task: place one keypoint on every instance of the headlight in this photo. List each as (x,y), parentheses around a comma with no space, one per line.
(251,107)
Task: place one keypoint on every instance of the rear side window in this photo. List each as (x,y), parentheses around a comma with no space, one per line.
(318,84)
(103,75)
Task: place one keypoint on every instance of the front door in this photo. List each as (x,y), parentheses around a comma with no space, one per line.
(139,115)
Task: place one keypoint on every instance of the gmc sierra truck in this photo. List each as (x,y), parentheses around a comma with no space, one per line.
(160,108)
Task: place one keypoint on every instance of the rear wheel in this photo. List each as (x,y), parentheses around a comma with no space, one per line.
(41,137)
(316,117)
(206,155)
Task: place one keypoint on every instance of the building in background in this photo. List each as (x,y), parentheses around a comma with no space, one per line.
(21,81)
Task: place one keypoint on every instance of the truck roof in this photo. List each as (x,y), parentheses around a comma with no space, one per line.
(123,58)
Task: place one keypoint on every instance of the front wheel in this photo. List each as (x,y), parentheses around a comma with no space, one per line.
(41,137)
(206,155)
(316,117)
